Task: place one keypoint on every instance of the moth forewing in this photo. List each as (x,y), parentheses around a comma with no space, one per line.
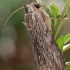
(45,50)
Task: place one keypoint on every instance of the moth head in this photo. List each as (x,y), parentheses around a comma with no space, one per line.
(31,7)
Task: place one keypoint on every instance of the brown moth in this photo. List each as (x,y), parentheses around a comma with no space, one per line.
(46,52)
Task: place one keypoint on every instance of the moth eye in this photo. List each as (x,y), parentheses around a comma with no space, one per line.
(37,6)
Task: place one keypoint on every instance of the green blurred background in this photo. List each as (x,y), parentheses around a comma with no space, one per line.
(15,50)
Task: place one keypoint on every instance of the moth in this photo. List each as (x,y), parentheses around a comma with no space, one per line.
(46,53)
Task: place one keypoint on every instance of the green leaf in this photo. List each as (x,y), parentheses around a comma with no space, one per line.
(66,47)
(55,10)
(60,42)
(66,38)
(60,22)
(67,65)
(55,15)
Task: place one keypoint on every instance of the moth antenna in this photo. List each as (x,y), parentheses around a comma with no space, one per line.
(59,18)
(12,14)
(55,19)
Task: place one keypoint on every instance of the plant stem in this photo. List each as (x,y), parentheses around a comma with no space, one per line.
(61,21)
